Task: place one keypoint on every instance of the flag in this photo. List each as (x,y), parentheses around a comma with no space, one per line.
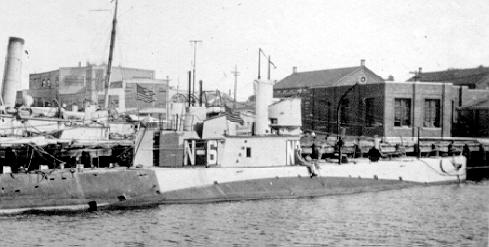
(144,94)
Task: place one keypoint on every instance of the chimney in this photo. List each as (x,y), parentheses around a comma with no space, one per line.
(12,75)
(294,69)
(420,70)
(362,62)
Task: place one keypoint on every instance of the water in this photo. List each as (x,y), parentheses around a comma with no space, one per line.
(448,215)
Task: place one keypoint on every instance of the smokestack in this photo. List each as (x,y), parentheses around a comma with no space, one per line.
(420,70)
(294,69)
(79,64)
(12,75)
(362,62)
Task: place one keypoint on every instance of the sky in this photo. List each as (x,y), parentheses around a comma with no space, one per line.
(393,36)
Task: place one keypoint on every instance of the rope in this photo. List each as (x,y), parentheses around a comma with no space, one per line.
(30,159)
(41,150)
(124,152)
(439,173)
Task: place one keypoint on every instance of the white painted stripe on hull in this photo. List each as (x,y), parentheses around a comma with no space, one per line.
(171,179)
(425,170)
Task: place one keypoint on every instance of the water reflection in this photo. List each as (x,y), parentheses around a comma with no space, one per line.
(431,215)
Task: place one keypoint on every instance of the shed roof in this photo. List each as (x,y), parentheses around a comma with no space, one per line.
(472,77)
(483,104)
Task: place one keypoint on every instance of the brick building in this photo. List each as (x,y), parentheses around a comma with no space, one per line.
(74,85)
(77,85)
(375,106)
(300,84)
(474,120)
(473,88)
(387,109)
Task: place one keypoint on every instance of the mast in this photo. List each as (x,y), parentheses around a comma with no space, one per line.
(109,63)
(235,72)
(194,42)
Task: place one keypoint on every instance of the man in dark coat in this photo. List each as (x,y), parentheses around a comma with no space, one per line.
(11,159)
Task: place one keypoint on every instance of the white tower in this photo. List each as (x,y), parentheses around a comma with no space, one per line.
(12,74)
(264,97)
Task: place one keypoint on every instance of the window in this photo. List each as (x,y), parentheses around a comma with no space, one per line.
(402,112)
(248,152)
(431,113)
(101,100)
(370,112)
(37,101)
(114,100)
(99,75)
(73,80)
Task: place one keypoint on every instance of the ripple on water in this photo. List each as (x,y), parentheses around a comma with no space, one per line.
(432,215)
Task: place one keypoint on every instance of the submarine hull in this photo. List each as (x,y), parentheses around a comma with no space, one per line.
(97,189)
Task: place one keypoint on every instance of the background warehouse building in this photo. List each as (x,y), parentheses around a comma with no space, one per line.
(374,106)
(76,86)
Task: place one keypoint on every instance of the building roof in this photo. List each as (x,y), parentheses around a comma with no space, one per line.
(473,77)
(327,77)
(482,104)
(93,66)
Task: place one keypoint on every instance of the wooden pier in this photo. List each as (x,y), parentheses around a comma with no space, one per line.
(475,149)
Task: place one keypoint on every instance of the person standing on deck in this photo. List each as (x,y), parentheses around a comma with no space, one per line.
(11,159)
(374,153)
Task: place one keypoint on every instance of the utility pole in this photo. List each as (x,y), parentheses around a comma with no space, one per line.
(236,74)
(339,141)
(167,100)
(194,42)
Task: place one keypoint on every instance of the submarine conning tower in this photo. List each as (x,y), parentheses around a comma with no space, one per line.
(264,98)
(12,74)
